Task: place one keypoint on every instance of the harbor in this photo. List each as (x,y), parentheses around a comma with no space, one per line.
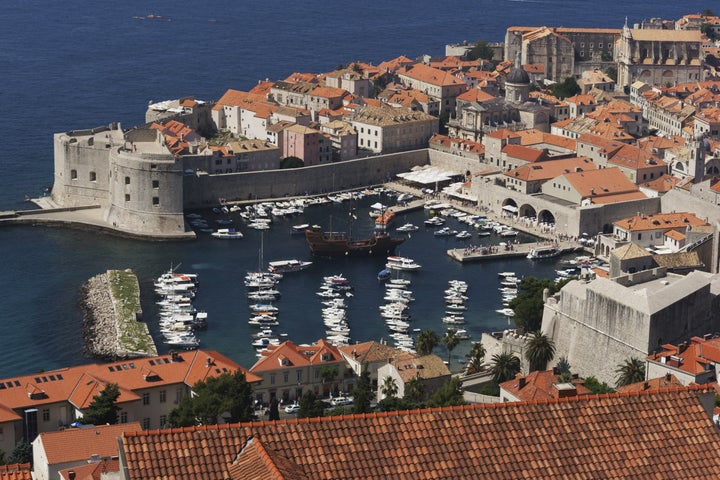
(508,250)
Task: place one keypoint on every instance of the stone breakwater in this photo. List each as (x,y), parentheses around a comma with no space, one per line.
(104,336)
(99,323)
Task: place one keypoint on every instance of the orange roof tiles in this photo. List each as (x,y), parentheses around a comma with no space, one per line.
(432,76)
(692,357)
(642,435)
(550,169)
(289,354)
(262,88)
(302,77)
(256,462)
(540,385)
(396,63)
(16,471)
(75,444)
(521,152)
(368,352)
(666,381)
(664,183)
(600,183)
(675,235)
(581,99)
(328,92)
(534,137)
(665,221)
(630,156)
(475,95)
(92,471)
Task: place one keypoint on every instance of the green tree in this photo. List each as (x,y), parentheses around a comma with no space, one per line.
(450,340)
(504,367)
(103,409)
(450,394)
(274,412)
(363,394)
(389,387)
(528,305)
(291,162)
(630,371)
(611,72)
(539,350)
(707,13)
(228,395)
(22,453)
(328,373)
(562,365)
(414,391)
(707,30)
(477,355)
(567,88)
(394,404)
(480,49)
(310,406)
(426,342)
(596,387)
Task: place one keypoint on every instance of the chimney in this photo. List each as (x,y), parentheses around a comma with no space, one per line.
(667,377)
(71,475)
(646,385)
(521,382)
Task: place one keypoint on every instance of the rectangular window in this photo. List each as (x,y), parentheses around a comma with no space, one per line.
(46,414)
(272,379)
(123,417)
(156,183)
(73,174)
(163,396)
(127,197)
(286,377)
(146,399)
(127,180)
(146,424)
(163,421)
(93,176)
(299,376)
(156,201)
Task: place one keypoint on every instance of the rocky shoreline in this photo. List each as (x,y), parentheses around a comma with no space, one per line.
(99,324)
(101,329)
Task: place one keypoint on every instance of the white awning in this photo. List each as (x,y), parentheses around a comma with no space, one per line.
(510,208)
(378,206)
(427,176)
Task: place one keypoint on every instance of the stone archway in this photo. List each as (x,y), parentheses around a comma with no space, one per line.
(546,217)
(509,208)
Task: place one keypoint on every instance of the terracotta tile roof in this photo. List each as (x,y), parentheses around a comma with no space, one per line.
(328,92)
(534,68)
(90,386)
(92,471)
(502,134)
(653,142)
(694,357)
(475,95)
(607,146)
(675,235)
(630,156)
(534,137)
(262,88)
(73,444)
(16,471)
(643,435)
(369,352)
(599,183)
(298,77)
(665,221)
(410,366)
(581,99)
(666,381)
(542,385)
(521,152)
(396,63)
(289,354)
(664,183)
(256,462)
(432,76)
(550,169)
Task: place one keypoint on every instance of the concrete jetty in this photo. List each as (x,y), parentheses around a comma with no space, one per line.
(497,252)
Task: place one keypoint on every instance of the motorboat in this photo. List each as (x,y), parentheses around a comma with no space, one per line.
(547,251)
(463,235)
(508,312)
(408,227)
(283,266)
(454,319)
(445,232)
(402,263)
(384,274)
(509,233)
(462,334)
(227,233)
(297,229)
(506,274)
(434,221)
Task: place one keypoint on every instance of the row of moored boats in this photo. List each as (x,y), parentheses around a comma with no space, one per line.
(179,319)
(334,291)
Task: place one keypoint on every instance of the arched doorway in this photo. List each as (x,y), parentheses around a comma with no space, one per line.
(546,218)
(509,208)
(528,213)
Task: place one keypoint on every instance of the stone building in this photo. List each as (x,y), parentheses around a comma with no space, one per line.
(659,57)
(388,129)
(597,325)
(428,369)
(439,85)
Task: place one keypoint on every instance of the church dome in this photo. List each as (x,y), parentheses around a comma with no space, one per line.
(517,75)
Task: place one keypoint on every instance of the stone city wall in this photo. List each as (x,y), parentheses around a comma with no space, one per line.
(203,190)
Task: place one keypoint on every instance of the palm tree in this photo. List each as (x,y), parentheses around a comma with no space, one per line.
(478,351)
(630,371)
(426,342)
(389,387)
(563,365)
(450,340)
(539,350)
(474,366)
(504,367)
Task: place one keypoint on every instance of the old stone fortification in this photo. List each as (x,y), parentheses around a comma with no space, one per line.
(100,322)
(600,324)
(203,190)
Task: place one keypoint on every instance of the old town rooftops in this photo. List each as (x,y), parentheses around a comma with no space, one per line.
(658,221)
(589,436)
(75,444)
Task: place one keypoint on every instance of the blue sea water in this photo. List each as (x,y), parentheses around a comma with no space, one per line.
(70,65)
